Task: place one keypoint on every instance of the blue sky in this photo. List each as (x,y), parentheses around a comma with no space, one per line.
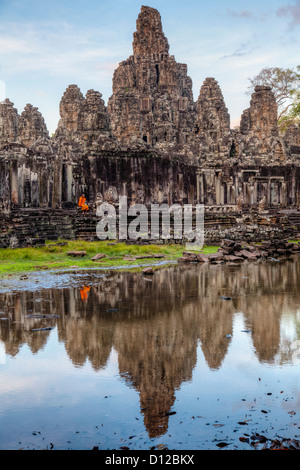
(47,45)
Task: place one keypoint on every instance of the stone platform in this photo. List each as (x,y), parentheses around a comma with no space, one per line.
(32,227)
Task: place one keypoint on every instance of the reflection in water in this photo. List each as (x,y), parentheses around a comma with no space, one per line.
(84,292)
(156,325)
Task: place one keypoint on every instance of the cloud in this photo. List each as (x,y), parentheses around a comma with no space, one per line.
(241,14)
(11,45)
(243,50)
(247,15)
(291,10)
(57,50)
(2,91)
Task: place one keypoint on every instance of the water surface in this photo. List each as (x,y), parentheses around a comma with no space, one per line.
(137,362)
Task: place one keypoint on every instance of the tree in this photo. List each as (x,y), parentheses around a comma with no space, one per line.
(285,84)
(293,115)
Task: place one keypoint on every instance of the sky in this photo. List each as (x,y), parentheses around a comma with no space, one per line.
(46,45)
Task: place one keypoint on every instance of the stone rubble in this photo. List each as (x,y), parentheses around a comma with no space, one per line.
(233,252)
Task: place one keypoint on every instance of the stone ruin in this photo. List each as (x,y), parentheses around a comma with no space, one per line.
(153,143)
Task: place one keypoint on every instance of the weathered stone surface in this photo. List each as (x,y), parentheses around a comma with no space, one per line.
(98,257)
(202,258)
(232,252)
(9,122)
(152,102)
(259,125)
(154,144)
(261,117)
(292,135)
(77,254)
(129,258)
(183,259)
(32,126)
(233,258)
(212,124)
(84,122)
(190,256)
(247,254)
(69,109)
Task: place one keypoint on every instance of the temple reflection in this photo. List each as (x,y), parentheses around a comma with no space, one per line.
(156,325)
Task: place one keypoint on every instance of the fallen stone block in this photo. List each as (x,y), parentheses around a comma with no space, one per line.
(250,248)
(98,257)
(77,253)
(202,258)
(245,253)
(238,253)
(129,258)
(192,257)
(215,256)
(228,243)
(235,259)
(183,259)
(249,255)
(256,254)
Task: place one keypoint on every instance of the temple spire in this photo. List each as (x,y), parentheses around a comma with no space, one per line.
(149,37)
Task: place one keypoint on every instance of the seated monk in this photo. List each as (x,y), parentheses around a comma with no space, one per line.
(82,203)
(81,200)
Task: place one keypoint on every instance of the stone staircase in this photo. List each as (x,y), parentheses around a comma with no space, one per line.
(84,226)
(294,220)
(31,227)
(34,226)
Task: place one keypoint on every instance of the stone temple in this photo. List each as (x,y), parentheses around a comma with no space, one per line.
(154,143)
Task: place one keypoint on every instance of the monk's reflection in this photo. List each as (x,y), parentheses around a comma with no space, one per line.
(84,292)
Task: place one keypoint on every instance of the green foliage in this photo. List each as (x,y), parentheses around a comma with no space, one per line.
(53,256)
(291,118)
(293,114)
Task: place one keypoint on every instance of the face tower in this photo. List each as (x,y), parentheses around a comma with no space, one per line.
(152,101)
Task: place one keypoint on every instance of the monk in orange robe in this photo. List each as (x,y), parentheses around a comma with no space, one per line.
(82,203)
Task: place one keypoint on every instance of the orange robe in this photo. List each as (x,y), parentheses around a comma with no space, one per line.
(82,204)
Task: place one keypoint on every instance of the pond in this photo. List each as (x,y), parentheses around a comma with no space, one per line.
(193,357)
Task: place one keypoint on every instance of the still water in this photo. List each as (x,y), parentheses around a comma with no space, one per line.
(140,362)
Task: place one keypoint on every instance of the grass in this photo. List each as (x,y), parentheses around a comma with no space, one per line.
(55,256)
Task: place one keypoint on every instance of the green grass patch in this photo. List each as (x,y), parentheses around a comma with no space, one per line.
(55,256)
